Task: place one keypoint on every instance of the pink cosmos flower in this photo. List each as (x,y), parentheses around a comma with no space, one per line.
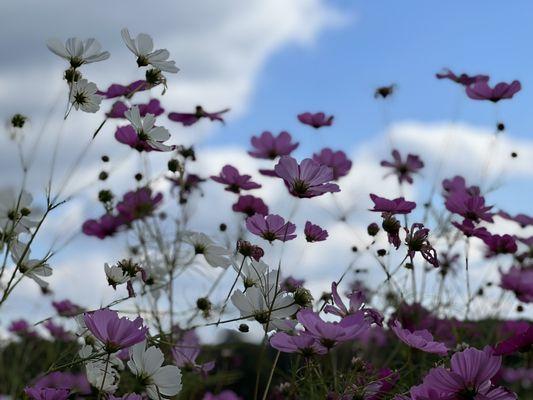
(106,225)
(421,340)
(339,163)
(66,308)
(463,79)
(249,250)
(522,219)
(458,184)
(22,328)
(316,120)
(480,90)
(308,179)
(356,305)
(224,395)
(128,135)
(116,90)
(250,205)
(469,206)
(47,393)
(395,206)
(114,332)
(314,233)
(469,229)
(271,227)
(74,382)
(152,107)
(305,345)
(520,341)
(58,332)
(117,110)
(404,169)
(138,204)
(290,284)
(270,147)
(519,281)
(501,244)
(188,119)
(185,353)
(417,241)
(235,182)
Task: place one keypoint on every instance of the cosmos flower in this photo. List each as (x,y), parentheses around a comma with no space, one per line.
(268,146)
(186,351)
(214,254)
(143,47)
(316,120)
(520,341)
(500,244)
(395,206)
(75,382)
(314,233)
(34,269)
(119,108)
(522,219)
(58,332)
(305,345)
(15,211)
(115,275)
(468,206)
(463,79)
(21,328)
(469,229)
(117,90)
(77,51)
(480,90)
(47,393)
(234,181)
(153,136)
(83,96)
(106,225)
(421,339)
(356,305)
(254,273)
(519,281)
(248,249)
(113,332)
(138,204)
(271,227)
(307,179)
(224,395)
(188,119)
(250,205)
(404,169)
(339,163)
(417,241)
(66,308)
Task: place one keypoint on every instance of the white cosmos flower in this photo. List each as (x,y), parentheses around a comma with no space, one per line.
(115,275)
(256,273)
(214,254)
(33,269)
(146,129)
(255,304)
(77,51)
(143,48)
(96,369)
(146,364)
(83,96)
(15,211)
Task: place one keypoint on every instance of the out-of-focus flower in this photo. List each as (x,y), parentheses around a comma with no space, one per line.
(316,120)
(520,341)
(314,233)
(271,227)
(47,393)
(500,244)
(77,51)
(481,90)
(519,281)
(462,79)
(143,47)
(307,179)
(522,219)
(83,96)
(339,163)
(305,345)
(117,90)
(34,269)
(291,284)
(66,308)
(224,395)
(114,332)
(15,212)
(147,132)
(395,206)
(186,351)
(268,146)
(106,225)
(21,328)
(115,275)
(138,204)
(356,305)
(147,365)
(188,119)
(119,108)
(417,241)
(75,382)
(404,169)
(469,229)
(469,206)
(214,254)
(421,339)
(250,205)
(58,332)
(234,181)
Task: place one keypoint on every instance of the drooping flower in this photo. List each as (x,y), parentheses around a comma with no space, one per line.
(480,90)
(250,205)
(113,332)
(271,227)
(47,393)
(420,339)
(314,233)
(106,225)
(500,244)
(248,249)
(305,345)
(462,79)
(83,96)
(78,52)
(234,181)
(268,146)
(395,206)
(148,136)
(143,47)
(117,90)
(339,163)
(188,119)
(316,120)
(138,204)
(66,308)
(519,281)
(404,169)
(214,254)
(417,241)
(307,179)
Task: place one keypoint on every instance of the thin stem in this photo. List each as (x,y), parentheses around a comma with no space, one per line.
(271,374)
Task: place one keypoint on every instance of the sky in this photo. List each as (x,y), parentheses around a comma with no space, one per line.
(268,61)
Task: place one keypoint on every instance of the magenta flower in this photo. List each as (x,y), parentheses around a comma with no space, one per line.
(421,340)
(185,353)
(469,229)
(463,79)
(188,119)
(519,281)
(116,90)
(66,308)
(117,110)
(22,328)
(305,345)
(250,250)
(500,244)
(316,120)
(417,241)
(309,179)
(521,341)
(458,184)
(128,135)
(235,182)
(314,233)
(271,227)
(336,160)
(250,205)
(395,206)
(404,169)
(75,382)
(268,146)
(58,332)
(522,219)
(106,225)
(129,396)
(114,332)
(224,395)
(290,284)
(47,393)
(469,206)
(469,378)
(356,305)
(481,90)
(138,204)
